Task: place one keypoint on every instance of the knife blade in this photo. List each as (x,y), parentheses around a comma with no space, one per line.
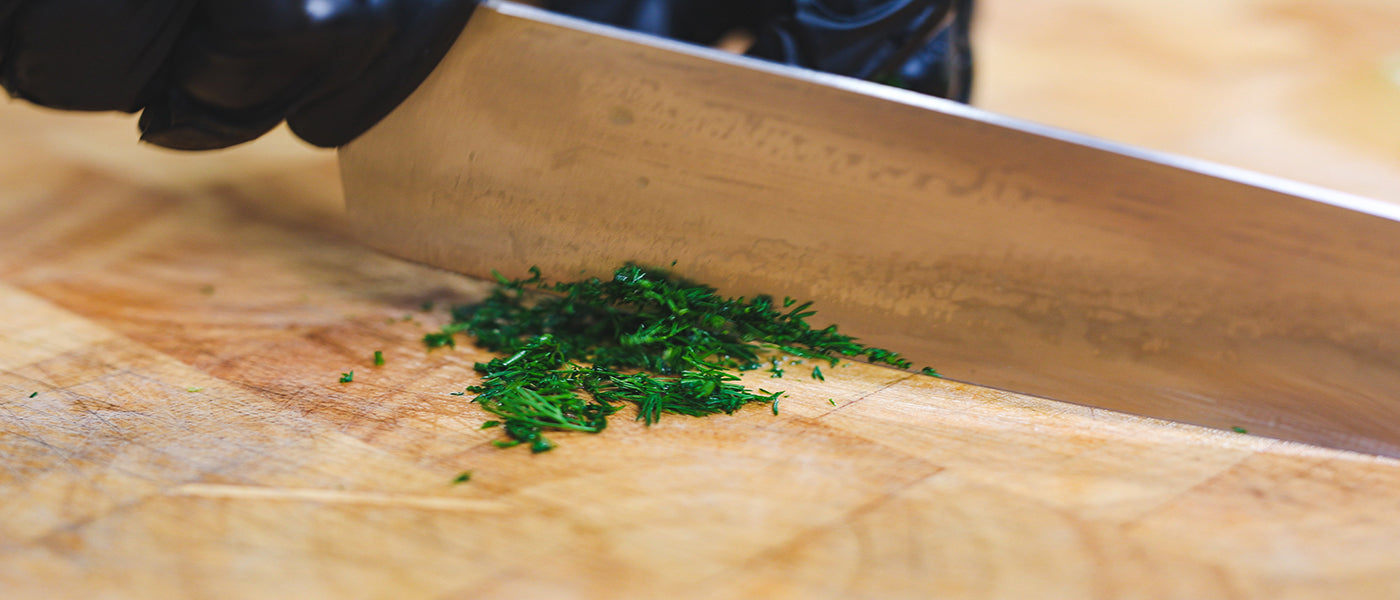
(1003,253)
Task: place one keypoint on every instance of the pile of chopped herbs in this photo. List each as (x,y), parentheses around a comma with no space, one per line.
(576,353)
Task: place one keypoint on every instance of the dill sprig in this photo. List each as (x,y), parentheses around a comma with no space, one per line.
(574,353)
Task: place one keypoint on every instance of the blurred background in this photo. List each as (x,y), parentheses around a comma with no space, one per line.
(1301,89)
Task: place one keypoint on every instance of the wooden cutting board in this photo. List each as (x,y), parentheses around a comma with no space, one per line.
(173,328)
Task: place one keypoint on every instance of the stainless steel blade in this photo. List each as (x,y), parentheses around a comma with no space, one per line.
(1002,253)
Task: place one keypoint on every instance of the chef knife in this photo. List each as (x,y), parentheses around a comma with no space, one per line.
(1002,253)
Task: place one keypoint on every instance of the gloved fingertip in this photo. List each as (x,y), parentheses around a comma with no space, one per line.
(341,115)
(187,127)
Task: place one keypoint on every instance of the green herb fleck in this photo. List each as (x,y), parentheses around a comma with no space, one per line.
(574,354)
(832,401)
(33,394)
(1238,429)
(930,371)
(438,339)
(378,358)
(194,389)
(490,424)
(347,377)
(817,374)
(463,478)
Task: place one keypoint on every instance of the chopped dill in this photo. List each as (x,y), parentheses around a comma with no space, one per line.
(438,339)
(194,390)
(832,401)
(33,394)
(347,377)
(817,374)
(378,358)
(573,354)
(930,371)
(1238,429)
(463,478)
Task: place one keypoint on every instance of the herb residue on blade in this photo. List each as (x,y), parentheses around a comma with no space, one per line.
(574,354)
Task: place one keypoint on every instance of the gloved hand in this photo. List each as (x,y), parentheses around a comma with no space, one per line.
(214,73)
(921,45)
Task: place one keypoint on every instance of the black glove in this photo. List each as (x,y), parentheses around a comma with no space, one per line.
(921,45)
(214,73)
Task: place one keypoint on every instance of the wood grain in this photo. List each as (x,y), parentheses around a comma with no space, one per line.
(184,320)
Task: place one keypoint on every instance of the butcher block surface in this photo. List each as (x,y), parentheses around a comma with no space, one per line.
(174,328)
